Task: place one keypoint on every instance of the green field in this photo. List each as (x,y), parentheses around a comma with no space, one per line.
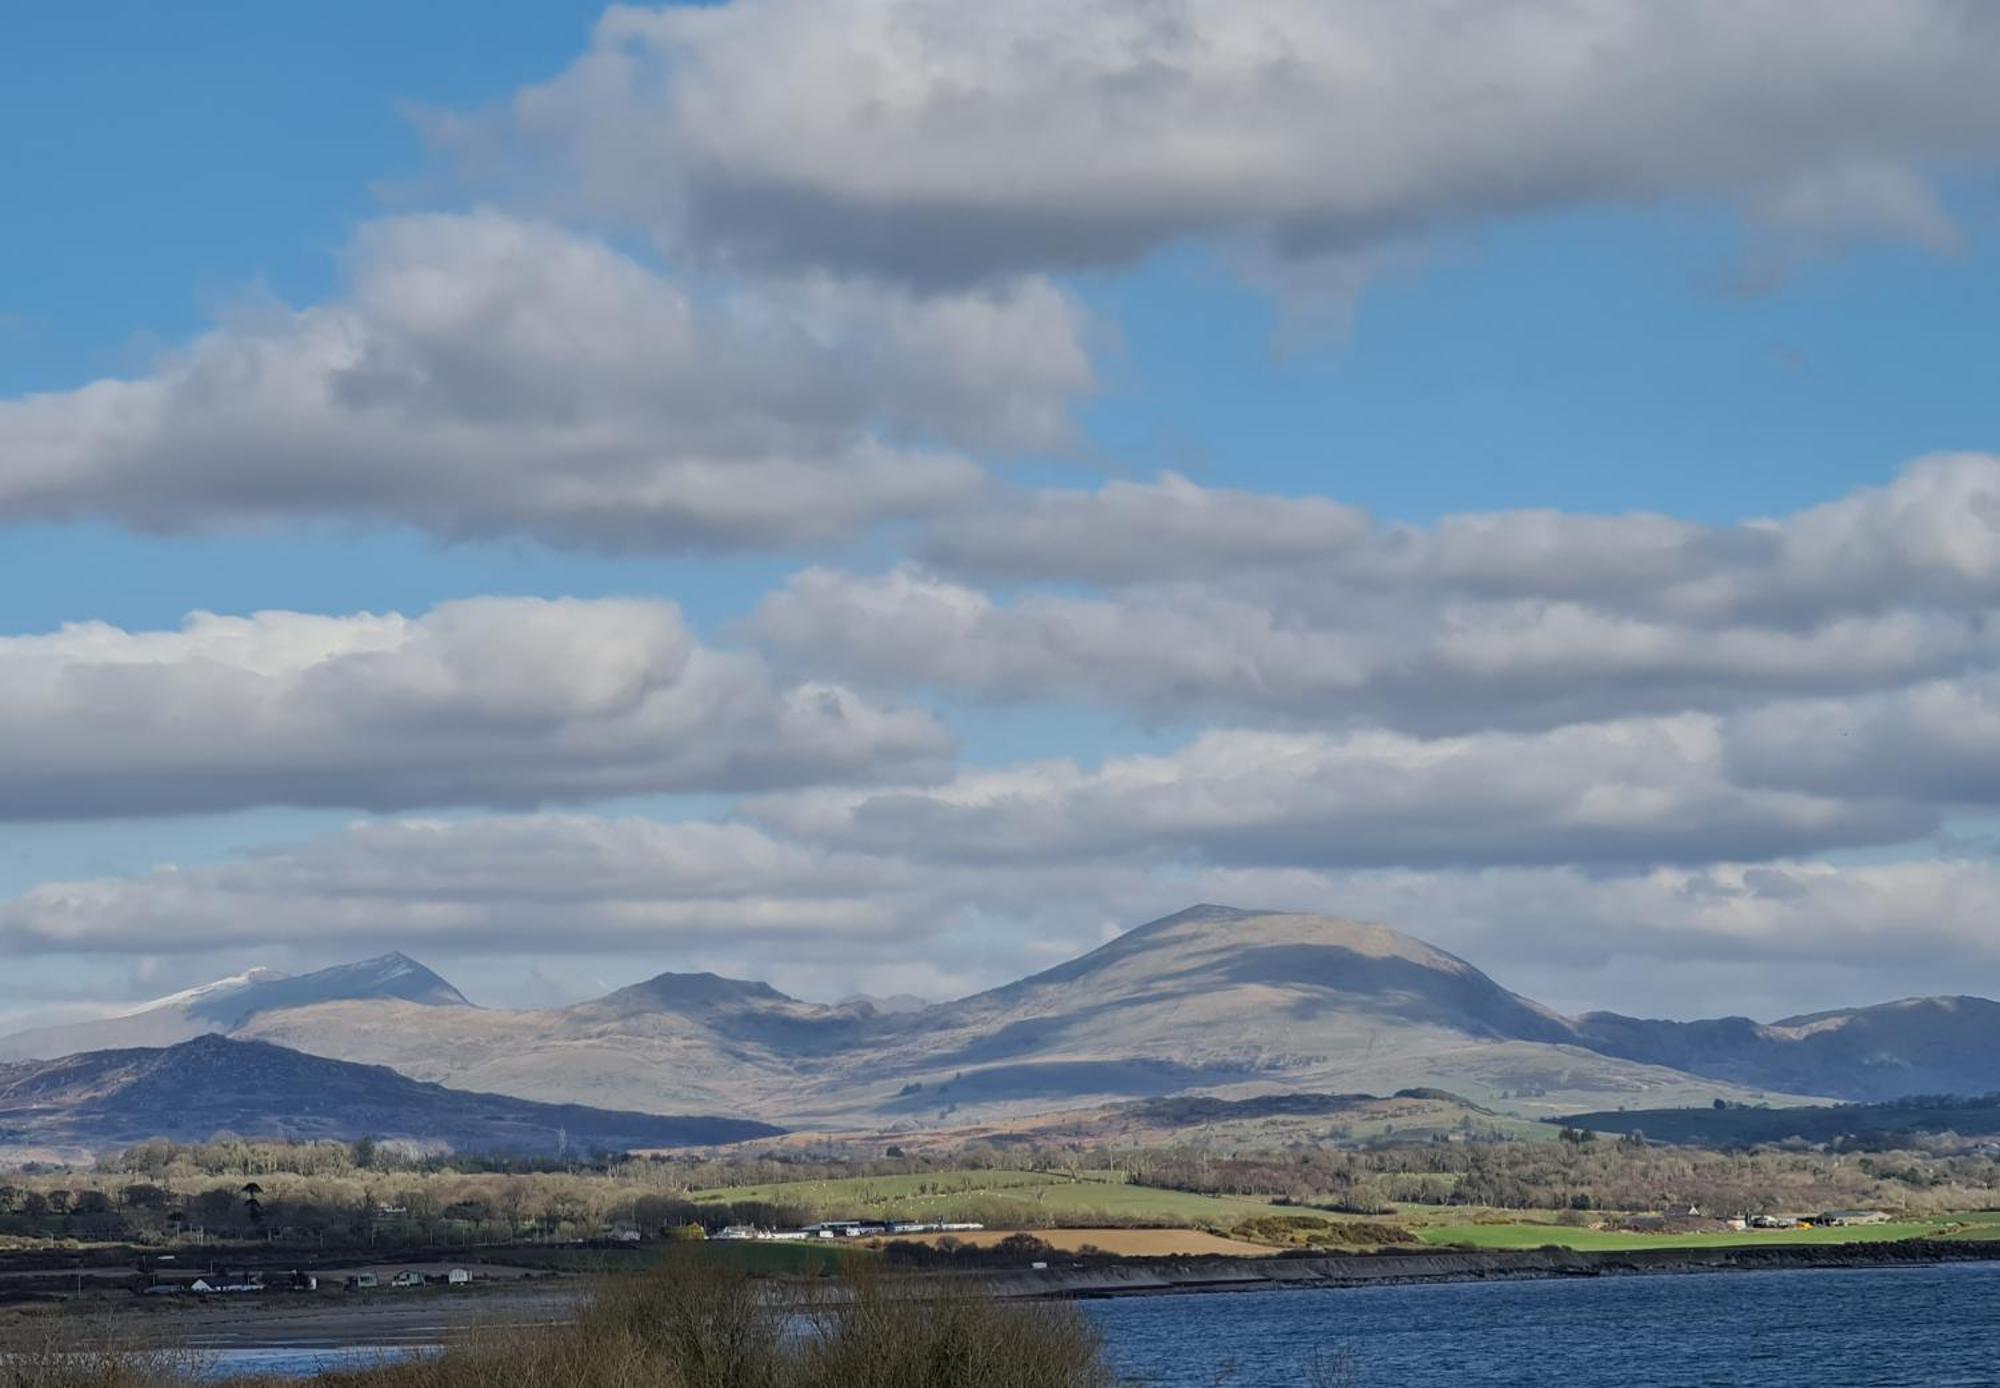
(1002,1199)
(1541,1235)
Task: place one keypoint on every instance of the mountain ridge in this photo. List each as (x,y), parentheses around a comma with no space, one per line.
(223,1005)
(1211,999)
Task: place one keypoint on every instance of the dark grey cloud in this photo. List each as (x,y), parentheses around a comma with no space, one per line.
(1937,742)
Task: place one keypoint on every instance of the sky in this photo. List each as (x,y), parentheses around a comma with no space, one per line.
(882,495)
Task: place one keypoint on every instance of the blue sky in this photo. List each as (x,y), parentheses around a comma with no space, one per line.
(1590,353)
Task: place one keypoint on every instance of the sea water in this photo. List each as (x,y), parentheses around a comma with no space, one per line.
(1921,1327)
(1872,1328)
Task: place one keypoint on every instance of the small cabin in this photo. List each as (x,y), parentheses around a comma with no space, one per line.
(458,1277)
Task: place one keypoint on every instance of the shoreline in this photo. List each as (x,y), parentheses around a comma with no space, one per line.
(1474,1265)
(385,1324)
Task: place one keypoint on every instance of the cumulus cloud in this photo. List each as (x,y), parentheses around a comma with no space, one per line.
(1191,652)
(943,140)
(1936,742)
(1509,619)
(486,375)
(502,702)
(1930,536)
(1637,792)
(1127,532)
(499,882)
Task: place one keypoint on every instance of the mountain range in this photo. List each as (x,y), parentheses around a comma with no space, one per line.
(1211,1000)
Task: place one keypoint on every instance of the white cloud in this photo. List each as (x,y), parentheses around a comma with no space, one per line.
(1128,532)
(506,702)
(1639,792)
(1507,619)
(1930,536)
(943,140)
(1446,665)
(613,884)
(489,376)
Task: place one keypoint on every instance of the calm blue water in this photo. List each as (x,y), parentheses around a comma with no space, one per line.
(1932,1327)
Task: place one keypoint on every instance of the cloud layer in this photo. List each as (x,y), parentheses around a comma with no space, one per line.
(1160,599)
(1557,742)
(1629,793)
(942,141)
(495,702)
(1690,941)
(488,376)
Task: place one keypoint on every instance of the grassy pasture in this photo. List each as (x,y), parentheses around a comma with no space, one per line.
(1014,1199)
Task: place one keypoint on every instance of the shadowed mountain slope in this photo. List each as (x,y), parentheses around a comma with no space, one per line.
(1947,1045)
(211,1084)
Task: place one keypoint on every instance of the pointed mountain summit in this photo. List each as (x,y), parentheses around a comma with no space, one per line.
(394,975)
(226,1004)
(675,992)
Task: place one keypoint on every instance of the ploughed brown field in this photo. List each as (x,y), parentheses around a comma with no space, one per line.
(1130,1243)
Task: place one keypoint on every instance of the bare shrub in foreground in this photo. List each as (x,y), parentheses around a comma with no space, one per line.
(50,1351)
(689,1324)
(881,1334)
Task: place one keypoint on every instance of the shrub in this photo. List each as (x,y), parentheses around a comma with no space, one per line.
(688,1324)
(1309,1231)
(875,1333)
